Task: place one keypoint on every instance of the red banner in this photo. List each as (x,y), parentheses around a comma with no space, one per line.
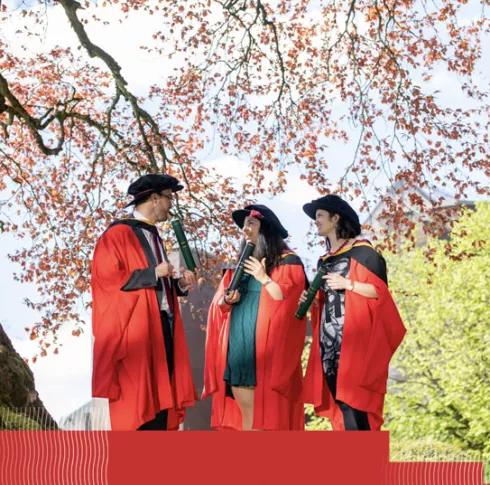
(147,458)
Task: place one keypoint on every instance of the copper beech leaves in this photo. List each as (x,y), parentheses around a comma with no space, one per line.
(275,84)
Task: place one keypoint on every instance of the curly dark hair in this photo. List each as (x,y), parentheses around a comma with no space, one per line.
(345,229)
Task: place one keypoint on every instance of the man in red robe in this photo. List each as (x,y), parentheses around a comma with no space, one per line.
(140,357)
(356,325)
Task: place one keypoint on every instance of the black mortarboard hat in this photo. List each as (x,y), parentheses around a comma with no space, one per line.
(334,205)
(152,183)
(267,216)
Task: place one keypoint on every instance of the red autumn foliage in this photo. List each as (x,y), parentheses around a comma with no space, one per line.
(275,84)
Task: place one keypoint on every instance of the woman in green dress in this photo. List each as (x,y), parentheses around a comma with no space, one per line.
(254,343)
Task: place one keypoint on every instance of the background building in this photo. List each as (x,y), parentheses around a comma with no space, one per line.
(448,208)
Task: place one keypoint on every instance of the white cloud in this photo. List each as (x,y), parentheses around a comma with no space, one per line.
(229,167)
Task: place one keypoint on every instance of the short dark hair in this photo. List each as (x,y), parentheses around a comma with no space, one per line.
(147,197)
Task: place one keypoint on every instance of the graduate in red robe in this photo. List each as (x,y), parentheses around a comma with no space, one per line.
(140,357)
(254,343)
(356,325)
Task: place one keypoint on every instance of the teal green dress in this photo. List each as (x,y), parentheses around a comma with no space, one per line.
(240,367)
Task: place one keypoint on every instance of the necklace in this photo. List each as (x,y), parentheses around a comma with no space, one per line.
(339,249)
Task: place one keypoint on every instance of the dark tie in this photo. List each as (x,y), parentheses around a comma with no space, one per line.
(166,281)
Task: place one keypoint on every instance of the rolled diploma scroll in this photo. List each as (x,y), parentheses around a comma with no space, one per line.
(235,282)
(312,291)
(183,244)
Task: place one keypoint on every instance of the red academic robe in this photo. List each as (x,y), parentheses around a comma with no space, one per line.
(280,339)
(129,358)
(373,330)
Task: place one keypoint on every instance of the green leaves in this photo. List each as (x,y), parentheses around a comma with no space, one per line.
(445,357)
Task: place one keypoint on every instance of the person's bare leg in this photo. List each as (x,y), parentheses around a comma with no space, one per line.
(244,396)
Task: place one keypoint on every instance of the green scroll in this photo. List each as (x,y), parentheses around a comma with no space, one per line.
(183,244)
(237,277)
(312,291)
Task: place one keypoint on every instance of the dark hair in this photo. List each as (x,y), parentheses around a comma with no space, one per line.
(344,230)
(270,245)
(144,199)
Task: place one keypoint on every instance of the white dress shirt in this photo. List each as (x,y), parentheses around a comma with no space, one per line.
(149,236)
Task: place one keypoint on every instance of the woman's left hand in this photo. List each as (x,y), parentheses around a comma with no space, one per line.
(336,281)
(255,268)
